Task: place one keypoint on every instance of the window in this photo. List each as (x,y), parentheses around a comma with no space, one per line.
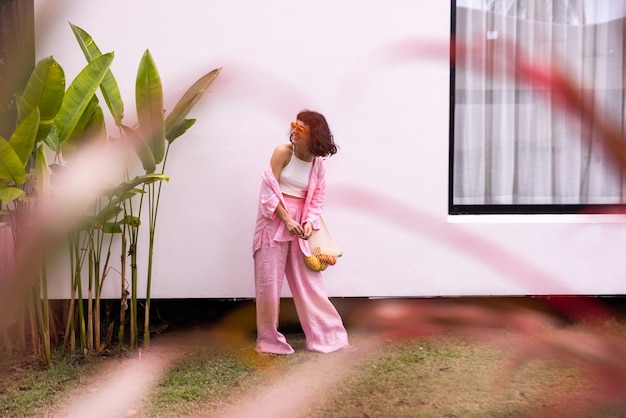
(513,148)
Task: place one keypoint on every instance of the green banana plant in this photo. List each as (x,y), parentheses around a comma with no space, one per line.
(49,113)
(149,102)
(51,116)
(14,158)
(78,113)
(151,140)
(93,240)
(63,119)
(159,131)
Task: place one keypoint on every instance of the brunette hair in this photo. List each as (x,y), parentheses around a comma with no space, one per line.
(322,141)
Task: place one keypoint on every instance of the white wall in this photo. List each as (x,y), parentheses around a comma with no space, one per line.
(387,193)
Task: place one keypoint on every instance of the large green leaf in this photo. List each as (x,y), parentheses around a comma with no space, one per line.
(141,148)
(149,102)
(79,94)
(131,220)
(122,192)
(123,188)
(23,139)
(175,123)
(112,228)
(90,126)
(109,88)
(180,129)
(51,140)
(117,199)
(116,227)
(11,167)
(10,193)
(44,90)
(107,213)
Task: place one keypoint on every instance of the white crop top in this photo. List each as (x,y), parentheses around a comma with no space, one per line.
(294,179)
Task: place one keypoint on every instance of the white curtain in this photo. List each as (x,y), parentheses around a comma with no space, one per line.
(511,144)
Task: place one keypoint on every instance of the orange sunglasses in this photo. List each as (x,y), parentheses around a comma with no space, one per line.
(299,129)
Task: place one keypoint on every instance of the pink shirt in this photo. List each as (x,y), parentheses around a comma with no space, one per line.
(270,196)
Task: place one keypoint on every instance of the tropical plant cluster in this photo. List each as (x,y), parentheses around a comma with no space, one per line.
(54,124)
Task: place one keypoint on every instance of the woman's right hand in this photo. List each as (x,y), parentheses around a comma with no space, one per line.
(294,227)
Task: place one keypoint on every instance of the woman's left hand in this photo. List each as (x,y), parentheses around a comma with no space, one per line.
(308,231)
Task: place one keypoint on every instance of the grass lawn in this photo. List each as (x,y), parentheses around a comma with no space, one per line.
(211,370)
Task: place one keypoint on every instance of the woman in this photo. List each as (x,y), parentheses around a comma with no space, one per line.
(290,204)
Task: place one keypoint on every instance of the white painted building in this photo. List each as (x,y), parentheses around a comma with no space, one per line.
(387,197)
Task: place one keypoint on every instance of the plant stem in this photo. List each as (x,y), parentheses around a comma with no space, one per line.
(123,292)
(44,317)
(133,291)
(89,299)
(153,203)
(81,309)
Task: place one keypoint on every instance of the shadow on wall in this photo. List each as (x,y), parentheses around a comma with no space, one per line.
(239,314)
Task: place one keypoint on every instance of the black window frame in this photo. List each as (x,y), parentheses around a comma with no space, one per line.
(499,209)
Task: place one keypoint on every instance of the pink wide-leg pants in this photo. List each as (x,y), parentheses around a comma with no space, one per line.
(323,328)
